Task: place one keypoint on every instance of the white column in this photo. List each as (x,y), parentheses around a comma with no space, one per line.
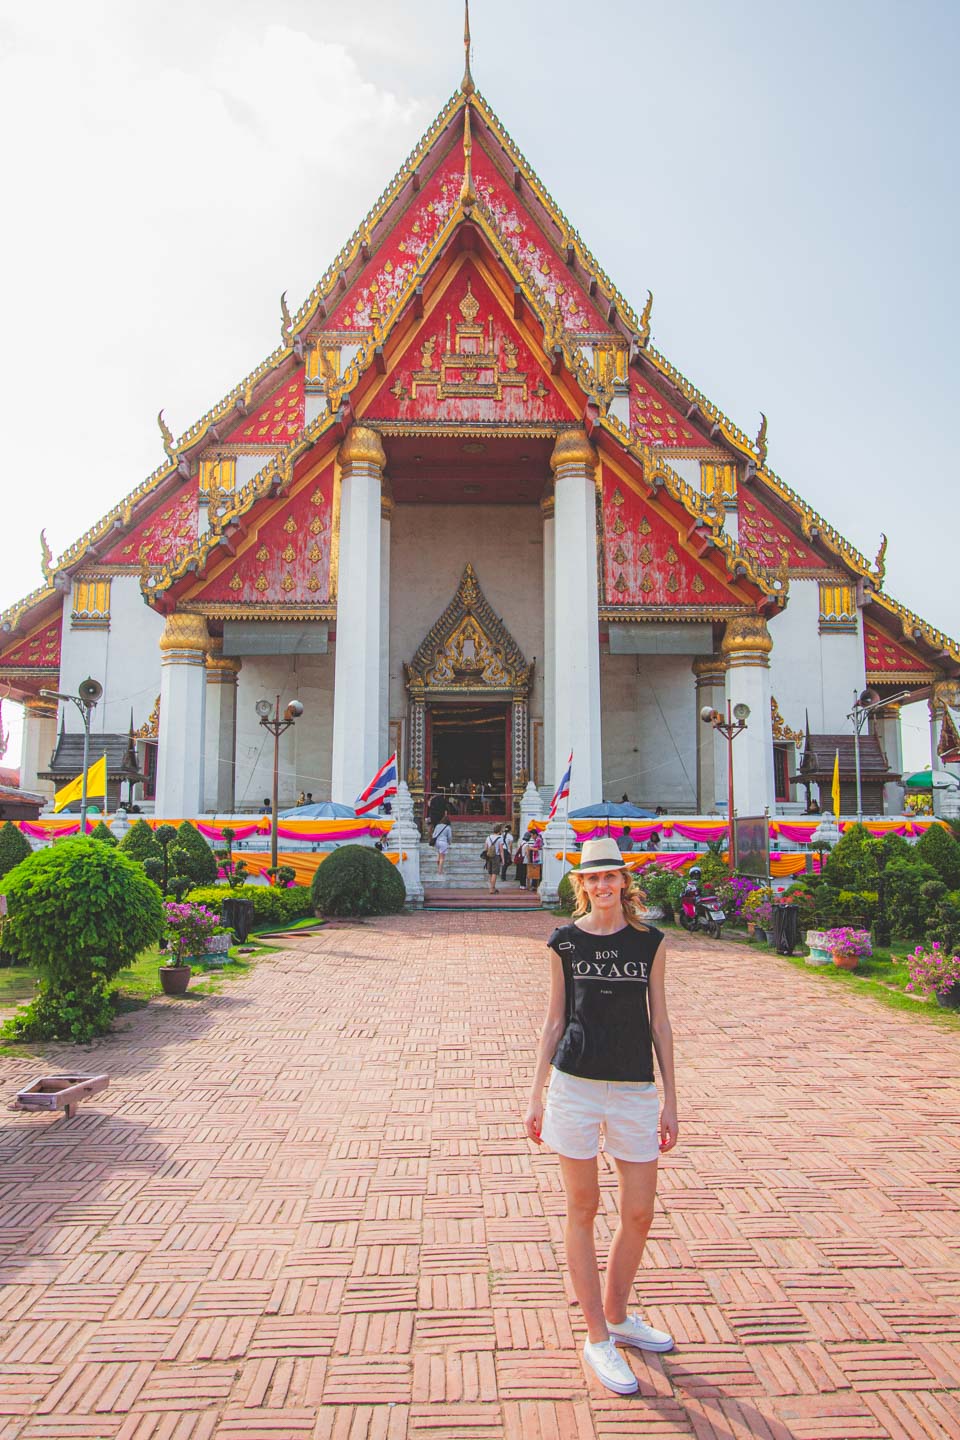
(386,515)
(945,692)
(37,745)
(549,643)
(709,671)
(183,687)
(891,740)
(746,647)
(356,686)
(576,684)
(221,731)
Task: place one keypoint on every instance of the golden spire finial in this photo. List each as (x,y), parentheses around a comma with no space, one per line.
(168,444)
(761,441)
(46,557)
(880,564)
(644,336)
(466,84)
(468,196)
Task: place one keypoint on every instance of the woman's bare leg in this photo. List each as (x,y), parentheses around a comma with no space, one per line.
(638,1191)
(583,1201)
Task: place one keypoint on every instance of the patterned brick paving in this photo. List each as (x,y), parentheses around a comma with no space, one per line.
(306,1208)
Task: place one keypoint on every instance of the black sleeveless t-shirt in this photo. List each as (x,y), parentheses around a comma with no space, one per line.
(607,1032)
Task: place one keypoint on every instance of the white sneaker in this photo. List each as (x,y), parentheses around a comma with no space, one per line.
(636,1332)
(610,1367)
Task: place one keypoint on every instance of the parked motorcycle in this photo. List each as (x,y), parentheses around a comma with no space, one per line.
(702,913)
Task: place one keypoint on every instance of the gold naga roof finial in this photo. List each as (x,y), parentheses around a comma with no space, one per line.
(880,564)
(762,440)
(167,434)
(645,321)
(466,84)
(468,196)
(286,324)
(46,557)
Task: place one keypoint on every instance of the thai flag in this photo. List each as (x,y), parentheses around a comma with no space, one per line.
(384,783)
(562,791)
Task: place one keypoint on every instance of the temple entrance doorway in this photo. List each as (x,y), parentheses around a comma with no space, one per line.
(467,750)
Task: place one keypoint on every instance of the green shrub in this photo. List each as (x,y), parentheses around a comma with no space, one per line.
(662,887)
(713,869)
(944,923)
(271,905)
(14,847)
(565,896)
(857,908)
(907,913)
(140,843)
(358,880)
(938,848)
(104,834)
(190,855)
(801,895)
(825,901)
(78,912)
(852,864)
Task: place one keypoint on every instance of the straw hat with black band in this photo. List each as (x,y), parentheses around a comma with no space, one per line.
(599,855)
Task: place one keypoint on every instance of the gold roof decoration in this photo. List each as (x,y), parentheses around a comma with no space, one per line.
(469,649)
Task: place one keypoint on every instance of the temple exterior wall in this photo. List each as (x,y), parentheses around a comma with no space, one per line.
(813,671)
(648,703)
(305,750)
(125,659)
(430,545)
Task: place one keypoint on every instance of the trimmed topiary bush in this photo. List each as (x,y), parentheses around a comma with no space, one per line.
(852,863)
(907,913)
(104,834)
(938,848)
(190,855)
(358,880)
(78,912)
(140,843)
(14,847)
(565,896)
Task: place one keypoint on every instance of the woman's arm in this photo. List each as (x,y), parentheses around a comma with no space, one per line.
(662,1034)
(549,1037)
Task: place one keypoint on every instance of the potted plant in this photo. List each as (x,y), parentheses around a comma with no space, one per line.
(758,911)
(935,972)
(188,929)
(848,946)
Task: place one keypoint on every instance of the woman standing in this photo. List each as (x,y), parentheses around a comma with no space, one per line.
(442,839)
(606,1015)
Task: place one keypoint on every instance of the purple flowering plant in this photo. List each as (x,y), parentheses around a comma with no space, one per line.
(188,928)
(933,970)
(845,940)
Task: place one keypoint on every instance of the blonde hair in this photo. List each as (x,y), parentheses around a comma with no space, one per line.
(632,899)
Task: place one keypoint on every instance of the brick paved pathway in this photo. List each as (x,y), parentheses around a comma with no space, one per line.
(305,1208)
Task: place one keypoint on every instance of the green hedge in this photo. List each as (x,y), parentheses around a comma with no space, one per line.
(14,847)
(271,906)
(358,880)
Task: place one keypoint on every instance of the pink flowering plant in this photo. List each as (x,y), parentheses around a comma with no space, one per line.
(933,971)
(188,928)
(845,940)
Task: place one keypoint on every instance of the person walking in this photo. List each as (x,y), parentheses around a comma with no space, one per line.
(606,1015)
(506,853)
(442,839)
(492,855)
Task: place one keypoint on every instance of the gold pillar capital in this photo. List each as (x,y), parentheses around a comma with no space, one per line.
(709,670)
(362,446)
(573,451)
(184,631)
(747,641)
(41,707)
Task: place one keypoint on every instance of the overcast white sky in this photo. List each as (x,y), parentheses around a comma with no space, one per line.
(782,178)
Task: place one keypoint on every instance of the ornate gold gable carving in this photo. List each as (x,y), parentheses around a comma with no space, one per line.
(469,649)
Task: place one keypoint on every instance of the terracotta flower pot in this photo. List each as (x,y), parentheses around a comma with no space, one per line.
(846,962)
(174,979)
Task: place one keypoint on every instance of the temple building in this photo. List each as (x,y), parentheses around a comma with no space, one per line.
(467,511)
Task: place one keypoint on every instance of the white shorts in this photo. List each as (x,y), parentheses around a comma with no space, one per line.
(626,1111)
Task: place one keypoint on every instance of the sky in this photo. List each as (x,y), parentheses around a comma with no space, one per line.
(781,177)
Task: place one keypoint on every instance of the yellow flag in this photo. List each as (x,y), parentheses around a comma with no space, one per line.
(835,788)
(96,785)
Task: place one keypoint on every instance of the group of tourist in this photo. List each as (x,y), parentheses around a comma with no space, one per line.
(501,850)
(470,797)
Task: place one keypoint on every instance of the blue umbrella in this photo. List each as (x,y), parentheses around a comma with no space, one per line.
(612,810)
(322,810)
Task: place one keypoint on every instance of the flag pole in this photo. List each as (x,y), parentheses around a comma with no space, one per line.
(86,761)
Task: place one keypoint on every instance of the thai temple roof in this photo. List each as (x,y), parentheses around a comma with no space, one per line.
(479,184)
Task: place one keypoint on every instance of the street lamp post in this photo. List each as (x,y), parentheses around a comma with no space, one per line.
(276,724)
(88,693)
(737,717)
(864,705)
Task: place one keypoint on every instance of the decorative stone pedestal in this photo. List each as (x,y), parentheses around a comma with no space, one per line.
(405,837)
(555,838)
